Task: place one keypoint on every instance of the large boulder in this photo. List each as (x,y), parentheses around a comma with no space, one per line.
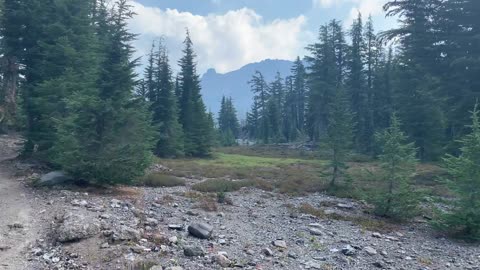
(125,233)
(201,230)
(75,227)
(53,179)
(193,251)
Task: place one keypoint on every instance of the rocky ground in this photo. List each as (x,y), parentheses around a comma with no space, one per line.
(176,228)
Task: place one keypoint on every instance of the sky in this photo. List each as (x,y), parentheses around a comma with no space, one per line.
(228,34)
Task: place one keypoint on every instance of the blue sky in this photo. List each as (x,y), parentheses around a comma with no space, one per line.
(228,34)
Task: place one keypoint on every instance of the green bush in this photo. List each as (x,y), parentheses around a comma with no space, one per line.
(221,185)
(161,180)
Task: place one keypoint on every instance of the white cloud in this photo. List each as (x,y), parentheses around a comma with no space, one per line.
(324,3)
(366,7)
(225,42)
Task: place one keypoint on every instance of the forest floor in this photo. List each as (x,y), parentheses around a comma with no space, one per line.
(260,225)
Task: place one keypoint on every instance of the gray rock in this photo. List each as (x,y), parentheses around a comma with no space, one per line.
(201,230)
(267,252)
(222,260)
(151,222)
(193,251)
(125,233)
(138,249)
(371,251)
(344,206)
(312,265)
(53,179)
(173,240)
(175,268)
(4,247)
(75,227)
(176,227)
(280,243)
(349,251)
(314,231)
(156,267)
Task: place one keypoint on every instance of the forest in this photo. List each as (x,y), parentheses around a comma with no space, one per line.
(399,97)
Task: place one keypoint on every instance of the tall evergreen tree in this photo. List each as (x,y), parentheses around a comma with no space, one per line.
(417,89)
(299,92)
(261,97)
(253,121)
(290,112)
(228,124)
(322,83)
(163,105)
(357,86)
(193,116)
(274,107)
(382,103)
(106,136)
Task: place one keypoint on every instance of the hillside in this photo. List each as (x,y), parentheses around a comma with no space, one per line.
(235,84)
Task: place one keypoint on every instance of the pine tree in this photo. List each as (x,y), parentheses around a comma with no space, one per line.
(339,135)
(148,79)
(164,107)
(193,116)
(382,102)
(356,84)
(463,219)
(290,112)
(106,136)
(399,199)
(417,89)
(228,124)
(274,107)
(262,96)
(372,55)
(253,121)
(322,83)
(299,77)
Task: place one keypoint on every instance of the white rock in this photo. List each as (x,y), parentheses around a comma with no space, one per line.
(280,243)
(371,251)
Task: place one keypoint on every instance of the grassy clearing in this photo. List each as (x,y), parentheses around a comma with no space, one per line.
(289,175)
(223,185)
(291,172)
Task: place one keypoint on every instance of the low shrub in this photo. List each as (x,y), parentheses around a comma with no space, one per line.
(161,180)
(220,185)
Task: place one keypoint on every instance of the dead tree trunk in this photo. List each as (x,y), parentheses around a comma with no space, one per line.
(8,105)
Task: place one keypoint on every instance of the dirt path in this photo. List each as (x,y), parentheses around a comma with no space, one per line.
(17,225)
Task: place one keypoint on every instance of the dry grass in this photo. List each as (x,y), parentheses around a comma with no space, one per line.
(366,223)
(208,204)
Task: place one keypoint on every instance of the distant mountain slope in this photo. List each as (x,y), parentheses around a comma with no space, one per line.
(235,84)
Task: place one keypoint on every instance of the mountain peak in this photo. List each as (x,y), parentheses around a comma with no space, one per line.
(235,83)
